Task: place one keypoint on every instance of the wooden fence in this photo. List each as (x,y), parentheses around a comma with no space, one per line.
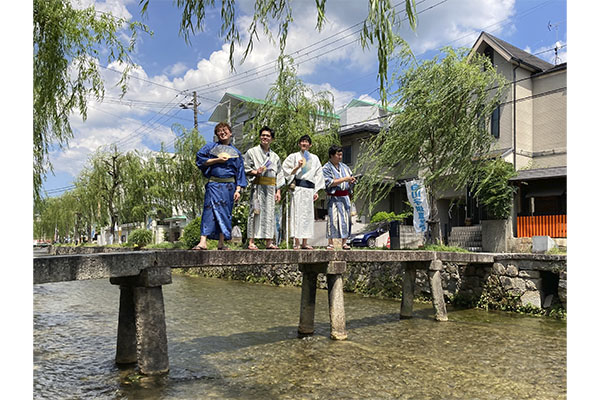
(542,225)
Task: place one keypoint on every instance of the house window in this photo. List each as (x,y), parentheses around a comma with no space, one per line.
(495,123)
(347,155)
(489,53)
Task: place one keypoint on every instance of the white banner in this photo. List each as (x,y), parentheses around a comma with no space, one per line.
(418,199)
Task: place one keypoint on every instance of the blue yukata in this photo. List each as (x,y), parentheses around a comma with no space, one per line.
(218,196)
(338,201)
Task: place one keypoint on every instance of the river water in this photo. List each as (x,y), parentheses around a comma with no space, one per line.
(235,340)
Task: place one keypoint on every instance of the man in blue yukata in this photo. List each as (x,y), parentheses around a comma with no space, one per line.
(338,185)
(223,165)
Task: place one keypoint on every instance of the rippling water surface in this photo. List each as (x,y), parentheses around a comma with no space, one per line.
(233,340)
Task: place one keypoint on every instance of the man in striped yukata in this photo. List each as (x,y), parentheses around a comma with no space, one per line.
(338,186)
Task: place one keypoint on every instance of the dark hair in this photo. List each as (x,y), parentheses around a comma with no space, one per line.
(305,137)
(266,128)
(334,149)
(222,125)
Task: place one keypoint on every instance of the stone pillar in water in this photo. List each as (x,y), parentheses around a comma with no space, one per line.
(151,330)
(337,315)
(126,338)
(142,331)
(307,303)
(437,293)
(408,290)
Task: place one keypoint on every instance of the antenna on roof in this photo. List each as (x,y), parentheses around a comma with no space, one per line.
(556,43)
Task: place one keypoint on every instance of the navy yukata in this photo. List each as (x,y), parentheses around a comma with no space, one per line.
(218,196)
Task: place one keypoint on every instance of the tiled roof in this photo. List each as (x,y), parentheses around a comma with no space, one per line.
(540,173)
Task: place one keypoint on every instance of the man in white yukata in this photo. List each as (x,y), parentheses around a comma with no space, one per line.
(263,168)
(338,186)
(305,172)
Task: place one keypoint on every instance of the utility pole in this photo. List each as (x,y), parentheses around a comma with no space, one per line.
(194,106)
(195,111)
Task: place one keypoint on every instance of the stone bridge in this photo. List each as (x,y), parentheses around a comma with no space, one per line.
(142,334)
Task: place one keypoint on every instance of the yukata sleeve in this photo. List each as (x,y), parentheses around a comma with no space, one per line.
(279,174)
(288,166)
(327,175)
(240,173)
(319,181)
(202,156)
(248,162)
(249,166)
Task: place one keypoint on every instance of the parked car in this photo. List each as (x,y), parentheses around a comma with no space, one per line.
(367,239)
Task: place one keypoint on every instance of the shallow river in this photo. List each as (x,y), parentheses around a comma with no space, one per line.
(234,340)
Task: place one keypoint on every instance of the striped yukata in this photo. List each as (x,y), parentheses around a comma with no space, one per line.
(339,223)
(261,218)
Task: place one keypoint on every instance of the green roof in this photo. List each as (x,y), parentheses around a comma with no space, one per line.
(260,101)
(361,103)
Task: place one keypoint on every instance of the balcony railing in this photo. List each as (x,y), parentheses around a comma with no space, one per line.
(542,225)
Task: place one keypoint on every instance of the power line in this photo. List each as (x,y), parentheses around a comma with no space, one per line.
(237,77)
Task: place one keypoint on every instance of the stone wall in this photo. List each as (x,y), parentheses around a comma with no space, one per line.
(520,278)
(513,280)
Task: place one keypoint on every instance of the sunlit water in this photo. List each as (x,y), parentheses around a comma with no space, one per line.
(234,340)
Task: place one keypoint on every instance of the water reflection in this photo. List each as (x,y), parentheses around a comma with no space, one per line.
(232,340)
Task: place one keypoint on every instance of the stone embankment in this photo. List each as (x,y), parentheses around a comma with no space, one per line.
(519,279)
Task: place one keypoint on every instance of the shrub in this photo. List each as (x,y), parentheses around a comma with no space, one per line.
(140,238)
(383,216)
(239,217)
(493,189)
(192,232)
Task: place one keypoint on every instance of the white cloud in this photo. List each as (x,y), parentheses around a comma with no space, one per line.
(115,7)
(175,69)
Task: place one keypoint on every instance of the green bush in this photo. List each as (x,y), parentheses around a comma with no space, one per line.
(239,217)
(383,216)
(492,188)
(192,232)
(140,238)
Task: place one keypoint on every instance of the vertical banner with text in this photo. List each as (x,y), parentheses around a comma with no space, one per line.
(418,199)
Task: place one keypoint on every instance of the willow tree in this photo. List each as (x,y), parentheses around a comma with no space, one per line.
(106,179)
(292,109)
(441,128)
(67,48)
(183,180)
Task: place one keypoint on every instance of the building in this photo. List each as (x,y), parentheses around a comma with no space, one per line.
(531,133)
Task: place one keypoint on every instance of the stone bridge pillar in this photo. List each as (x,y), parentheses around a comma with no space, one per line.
(142,330)
(434,269)
(437,292)
(335,287)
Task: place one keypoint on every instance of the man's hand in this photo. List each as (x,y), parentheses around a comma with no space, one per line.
(277,196)
(315,197)
(236,195)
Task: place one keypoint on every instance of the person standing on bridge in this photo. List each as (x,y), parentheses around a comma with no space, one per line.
(223,165)
(339,183)
(263,167)
(304,169)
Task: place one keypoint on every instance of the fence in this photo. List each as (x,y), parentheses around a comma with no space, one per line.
(542,225)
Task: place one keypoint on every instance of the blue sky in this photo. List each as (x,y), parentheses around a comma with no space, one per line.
(168,68)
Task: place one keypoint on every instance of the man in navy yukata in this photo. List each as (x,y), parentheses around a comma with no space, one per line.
(338,185)
(223,165)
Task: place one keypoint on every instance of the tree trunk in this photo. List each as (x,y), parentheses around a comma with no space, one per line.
(435,229)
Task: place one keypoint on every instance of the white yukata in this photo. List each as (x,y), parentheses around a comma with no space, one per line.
(302,215)
(338,201)
(261,218)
